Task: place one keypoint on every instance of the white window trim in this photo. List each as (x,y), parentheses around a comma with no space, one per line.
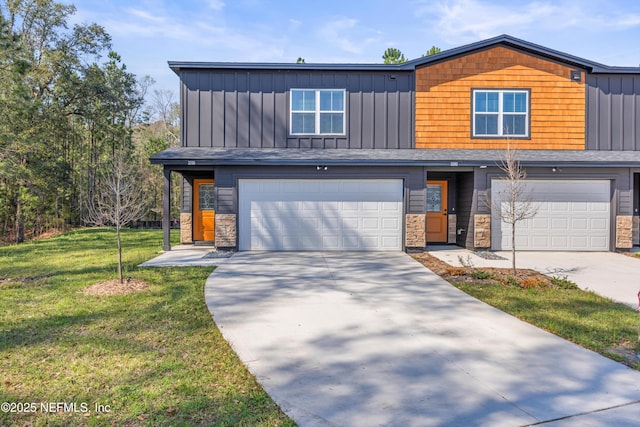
(501,113)
(317,111)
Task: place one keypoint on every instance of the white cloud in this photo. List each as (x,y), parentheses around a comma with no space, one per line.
(460,21)
(628,21)
(146,16)
(200,35)
(216,4)
(464,20)
(345,34)
(294,23)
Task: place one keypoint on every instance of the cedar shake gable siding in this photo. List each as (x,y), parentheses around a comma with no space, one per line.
(444,100)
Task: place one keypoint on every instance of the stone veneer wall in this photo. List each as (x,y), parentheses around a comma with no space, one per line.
(451,231)
(482,231)
(225,231)
(415,235)
(186,228)
(624,232)
(636,230)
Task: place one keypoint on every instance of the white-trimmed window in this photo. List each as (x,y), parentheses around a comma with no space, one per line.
(317,111)
(500,113)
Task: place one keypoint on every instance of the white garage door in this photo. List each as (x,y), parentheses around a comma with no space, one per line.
(572,215)
(320,214)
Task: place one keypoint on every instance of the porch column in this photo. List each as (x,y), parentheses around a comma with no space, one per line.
(166,210)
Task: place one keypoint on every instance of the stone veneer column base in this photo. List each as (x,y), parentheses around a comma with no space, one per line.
(186,228)
(225,231)
(415,235)
(636,230)
(624,232)
(451,230)
(482,230)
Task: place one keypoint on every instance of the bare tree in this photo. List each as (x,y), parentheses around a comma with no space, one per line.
(119,200)
(514,201)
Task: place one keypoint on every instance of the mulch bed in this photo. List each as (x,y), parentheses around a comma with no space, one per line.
(525,277)
(114,287)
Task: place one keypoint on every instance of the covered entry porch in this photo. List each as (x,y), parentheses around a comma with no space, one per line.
(195,203)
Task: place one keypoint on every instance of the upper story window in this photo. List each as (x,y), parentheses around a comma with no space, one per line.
(317,111)
(500,113)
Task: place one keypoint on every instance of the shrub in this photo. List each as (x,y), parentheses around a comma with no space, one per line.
(563,283)
(511,281)
(481,274)
(533,282)
(456,271)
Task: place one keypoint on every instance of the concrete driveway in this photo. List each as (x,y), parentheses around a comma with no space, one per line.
(369,339)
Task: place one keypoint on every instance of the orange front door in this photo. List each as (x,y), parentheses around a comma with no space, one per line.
(437,211)
(203,213)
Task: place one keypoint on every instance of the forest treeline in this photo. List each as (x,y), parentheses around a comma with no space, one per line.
(68,107)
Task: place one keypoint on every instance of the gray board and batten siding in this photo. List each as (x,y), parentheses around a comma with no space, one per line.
(227,177)
(231,108)
(613,112)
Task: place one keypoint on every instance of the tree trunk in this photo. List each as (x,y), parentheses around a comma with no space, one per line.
(119,256)
(513,249)
(19,224)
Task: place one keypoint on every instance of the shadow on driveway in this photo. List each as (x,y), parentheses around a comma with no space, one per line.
(377,339)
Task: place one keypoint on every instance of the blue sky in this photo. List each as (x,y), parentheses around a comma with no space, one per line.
(148,33)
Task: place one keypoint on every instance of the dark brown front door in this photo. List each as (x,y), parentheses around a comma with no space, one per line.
(436,211)
(203,213)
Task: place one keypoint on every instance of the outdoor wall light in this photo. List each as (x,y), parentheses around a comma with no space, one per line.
(320,168)
(556,169)
(576,76)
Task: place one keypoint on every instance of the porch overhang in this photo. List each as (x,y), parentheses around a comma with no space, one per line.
(194,159)
(190,161)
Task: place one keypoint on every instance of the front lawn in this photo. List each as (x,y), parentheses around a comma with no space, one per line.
(556,305)
(152,357)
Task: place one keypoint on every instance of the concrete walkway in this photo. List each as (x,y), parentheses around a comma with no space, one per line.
(376,339)
(613,275)
(187,256)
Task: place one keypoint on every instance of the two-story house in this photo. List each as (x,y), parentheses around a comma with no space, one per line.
(394,157)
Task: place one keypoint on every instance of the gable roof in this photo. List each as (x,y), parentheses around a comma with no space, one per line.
(521,45)
(504,40)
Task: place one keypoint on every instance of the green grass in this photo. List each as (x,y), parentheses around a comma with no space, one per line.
(585,318)
(153,357)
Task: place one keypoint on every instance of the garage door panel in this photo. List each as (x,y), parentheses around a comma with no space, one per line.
(558,224)
(331,242)
(580,224)
(558,207)
(349,206)
(537,223)
(580,242)
(370,223)
(520,240)
(370,206)
(320,214)
(538,241)
(391,224)
(599,207)
(599,242)
(557,242)
(599,224)
(582,207)
(572,215)
(349,223)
